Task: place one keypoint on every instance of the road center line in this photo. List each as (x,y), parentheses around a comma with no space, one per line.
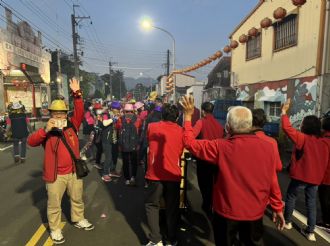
(37,235)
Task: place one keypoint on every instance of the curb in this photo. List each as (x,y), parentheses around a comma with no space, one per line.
(301,218)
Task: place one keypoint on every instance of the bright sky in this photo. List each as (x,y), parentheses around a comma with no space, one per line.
(200,28)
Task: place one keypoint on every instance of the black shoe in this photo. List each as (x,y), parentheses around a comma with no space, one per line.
(22,160)
(17,159)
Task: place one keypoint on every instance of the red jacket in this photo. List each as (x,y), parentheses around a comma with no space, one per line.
(246,180)
(57,159)
(326,179)
(208,128)
(310,156)
(165,150)
(271,140)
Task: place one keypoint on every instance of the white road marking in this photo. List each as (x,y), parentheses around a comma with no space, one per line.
(7,147)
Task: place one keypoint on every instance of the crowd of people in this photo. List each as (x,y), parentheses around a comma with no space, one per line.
(237,164)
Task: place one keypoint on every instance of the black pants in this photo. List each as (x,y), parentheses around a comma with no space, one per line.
(324,196)
(115,152)
(225,231)
(171,193)
(129,160)
(99,151)
(206,174)
(20,152)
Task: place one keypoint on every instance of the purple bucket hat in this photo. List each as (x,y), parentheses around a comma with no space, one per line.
(115,105)
(158,109)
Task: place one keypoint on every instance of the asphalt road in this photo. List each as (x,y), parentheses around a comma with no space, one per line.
(23,210)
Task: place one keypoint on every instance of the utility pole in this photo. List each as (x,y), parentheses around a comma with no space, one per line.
(168,63)
(110,81)
(59,74)
(75,37)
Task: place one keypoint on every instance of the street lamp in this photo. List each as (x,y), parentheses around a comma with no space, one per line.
(147,24)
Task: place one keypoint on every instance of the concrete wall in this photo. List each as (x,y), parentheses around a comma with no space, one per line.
(297,61)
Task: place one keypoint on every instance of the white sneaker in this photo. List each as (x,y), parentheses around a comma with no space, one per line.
(288,226)
(309,235)
(160,243)
(132,181)
(127,182)
(84,224)
(57,236)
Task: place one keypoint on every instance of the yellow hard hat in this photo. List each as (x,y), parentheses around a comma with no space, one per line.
(58,105)
(153,95)
(132,101)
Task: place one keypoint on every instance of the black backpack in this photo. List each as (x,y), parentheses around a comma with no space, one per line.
(128,138)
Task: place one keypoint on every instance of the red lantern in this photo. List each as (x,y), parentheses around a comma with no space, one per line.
(253,32)
(266,22)
(233,44)
(214,57)
(298,3)
(218,54)
(227,49)
(279,13)
(243,39)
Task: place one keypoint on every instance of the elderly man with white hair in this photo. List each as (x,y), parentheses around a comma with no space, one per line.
(246,182)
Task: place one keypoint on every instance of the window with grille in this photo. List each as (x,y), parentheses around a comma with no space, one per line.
(253,47)
(274,108)
(286,32)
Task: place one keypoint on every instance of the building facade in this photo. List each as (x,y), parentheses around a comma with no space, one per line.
(287,58)
(24,64)
(218,82)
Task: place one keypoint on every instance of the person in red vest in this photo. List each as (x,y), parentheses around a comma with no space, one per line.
(245,180)
(207,128)
(59,169)
(324,188)
(164,174)
(309,161)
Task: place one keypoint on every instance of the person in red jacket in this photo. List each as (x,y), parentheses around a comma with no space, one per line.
(309,161)
(245,181)
(59,169)
(207,128)
(164,174)
(324,188)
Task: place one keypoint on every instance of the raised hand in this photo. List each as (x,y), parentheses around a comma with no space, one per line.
(74,84)
(188,105)
(286,106)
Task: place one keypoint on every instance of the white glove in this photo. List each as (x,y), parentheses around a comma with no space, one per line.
(107,122)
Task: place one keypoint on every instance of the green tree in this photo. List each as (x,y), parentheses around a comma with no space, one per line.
(118,83)
(98,94)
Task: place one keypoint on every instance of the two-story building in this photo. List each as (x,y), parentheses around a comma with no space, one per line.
(283,52)
(218,82)
(24,66)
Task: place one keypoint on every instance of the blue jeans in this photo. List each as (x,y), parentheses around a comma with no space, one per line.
(310,202)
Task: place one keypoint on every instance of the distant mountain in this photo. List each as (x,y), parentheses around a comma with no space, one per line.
(131,82)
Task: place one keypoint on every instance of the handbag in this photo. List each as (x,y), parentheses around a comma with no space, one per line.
(81,166)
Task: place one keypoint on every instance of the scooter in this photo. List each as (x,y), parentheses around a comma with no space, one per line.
(3,127)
